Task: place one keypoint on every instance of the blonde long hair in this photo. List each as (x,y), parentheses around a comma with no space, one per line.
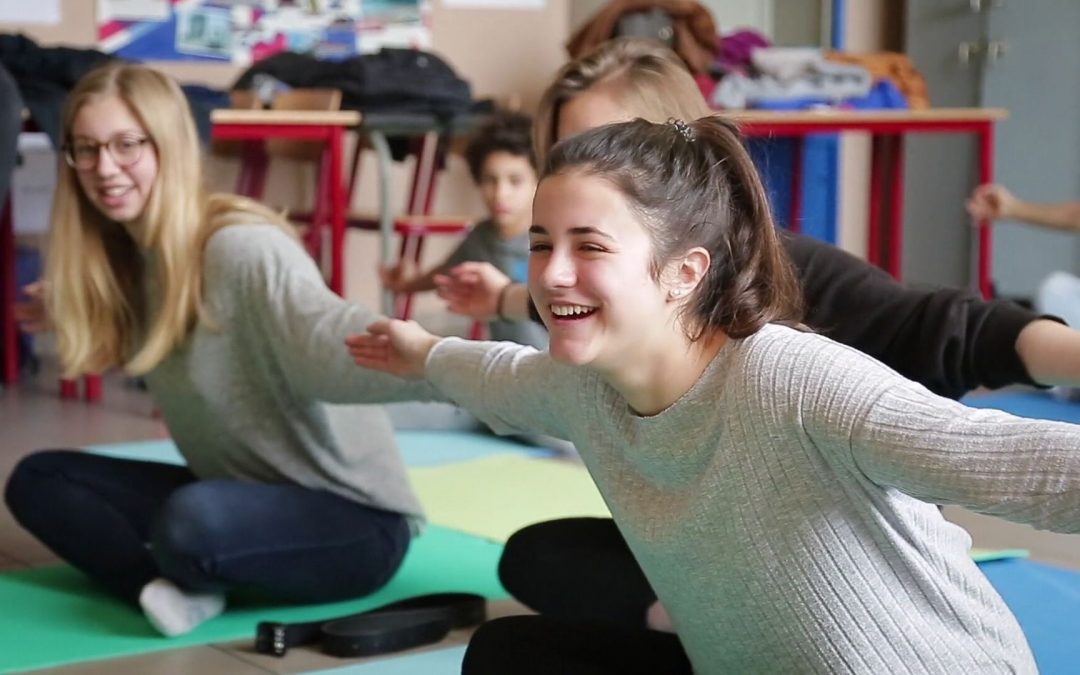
(96,269)
(647,79)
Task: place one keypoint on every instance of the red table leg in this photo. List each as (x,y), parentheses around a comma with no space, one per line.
(895,251)
(797,161)
(337,212)
(986,175)
(877,181)
(8,328)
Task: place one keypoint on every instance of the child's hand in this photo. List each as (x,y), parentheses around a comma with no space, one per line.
(472,289)
(991,202)
(31,313)
(393,346)
(394,278)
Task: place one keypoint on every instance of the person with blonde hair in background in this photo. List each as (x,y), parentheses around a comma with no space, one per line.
(212,299)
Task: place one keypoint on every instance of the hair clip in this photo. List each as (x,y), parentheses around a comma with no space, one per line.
(682,127)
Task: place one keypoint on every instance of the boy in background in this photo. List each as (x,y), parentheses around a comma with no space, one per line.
(503,164)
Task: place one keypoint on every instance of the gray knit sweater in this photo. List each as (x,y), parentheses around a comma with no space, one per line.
(782,509)
(252,396)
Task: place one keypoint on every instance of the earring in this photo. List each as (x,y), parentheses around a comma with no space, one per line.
(677,293)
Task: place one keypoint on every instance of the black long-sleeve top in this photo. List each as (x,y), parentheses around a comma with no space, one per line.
(950,340)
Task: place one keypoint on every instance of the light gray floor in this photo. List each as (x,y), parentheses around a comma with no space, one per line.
(33,417)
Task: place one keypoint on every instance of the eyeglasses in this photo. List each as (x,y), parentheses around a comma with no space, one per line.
(125,150)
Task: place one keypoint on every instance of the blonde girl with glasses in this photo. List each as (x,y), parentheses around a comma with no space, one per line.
(290,489)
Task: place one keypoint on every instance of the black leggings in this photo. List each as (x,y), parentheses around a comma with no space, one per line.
(579,574)
(579,569)
(541,645)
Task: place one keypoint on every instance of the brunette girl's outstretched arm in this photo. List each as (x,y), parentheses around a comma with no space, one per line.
(899,435)
(513,388)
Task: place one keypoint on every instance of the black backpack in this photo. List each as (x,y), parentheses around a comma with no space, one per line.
(392,80)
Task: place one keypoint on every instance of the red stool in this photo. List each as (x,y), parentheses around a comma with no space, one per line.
(9,330)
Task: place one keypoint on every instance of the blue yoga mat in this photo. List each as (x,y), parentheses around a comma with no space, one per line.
(1035,405)
(1046,602)
(436,662)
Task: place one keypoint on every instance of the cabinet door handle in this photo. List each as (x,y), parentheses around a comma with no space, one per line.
(966,50)
(995,49)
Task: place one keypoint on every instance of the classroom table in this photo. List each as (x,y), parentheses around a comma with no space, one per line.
(330,127)
(888,130)
(379,129)
(327,126)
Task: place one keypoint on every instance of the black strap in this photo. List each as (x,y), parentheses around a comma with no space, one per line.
(398,625)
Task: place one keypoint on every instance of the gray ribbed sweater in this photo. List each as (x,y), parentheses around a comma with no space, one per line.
(783,508)
(251,396)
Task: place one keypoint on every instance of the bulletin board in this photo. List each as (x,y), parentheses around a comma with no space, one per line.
(244,31)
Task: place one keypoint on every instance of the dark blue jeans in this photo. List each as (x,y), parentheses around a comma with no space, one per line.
(124,522)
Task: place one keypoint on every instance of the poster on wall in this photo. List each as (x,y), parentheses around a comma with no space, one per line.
(21,11)
(494,4)
(244,31)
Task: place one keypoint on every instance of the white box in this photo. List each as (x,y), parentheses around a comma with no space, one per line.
(33,184)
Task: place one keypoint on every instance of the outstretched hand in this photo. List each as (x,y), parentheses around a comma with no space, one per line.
(991,202)
(393,346)
(30,313)
(472,289)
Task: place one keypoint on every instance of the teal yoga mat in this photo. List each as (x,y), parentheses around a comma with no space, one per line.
(54,616)
(419,448)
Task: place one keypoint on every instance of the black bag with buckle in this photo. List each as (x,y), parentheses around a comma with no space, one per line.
(407,623)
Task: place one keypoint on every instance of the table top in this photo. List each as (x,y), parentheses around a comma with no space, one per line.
(839,116)
(404,124)
(343,118)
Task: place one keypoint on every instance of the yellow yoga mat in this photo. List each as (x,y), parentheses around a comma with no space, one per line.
(495,496)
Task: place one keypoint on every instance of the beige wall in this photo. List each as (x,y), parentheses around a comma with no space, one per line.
(866,31)
(502,53)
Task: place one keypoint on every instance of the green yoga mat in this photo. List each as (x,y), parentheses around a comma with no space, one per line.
(495,496)
(53,615)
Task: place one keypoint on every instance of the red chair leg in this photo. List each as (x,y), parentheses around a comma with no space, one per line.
(92,387)
(253,167)
(69,389)
(8,327)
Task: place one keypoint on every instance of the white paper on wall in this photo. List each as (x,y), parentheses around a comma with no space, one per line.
(132,10)
(494,4)
(33,183)
(25,11)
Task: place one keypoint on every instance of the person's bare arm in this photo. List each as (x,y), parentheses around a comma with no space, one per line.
(996,202)
(481,291)
(1051,352)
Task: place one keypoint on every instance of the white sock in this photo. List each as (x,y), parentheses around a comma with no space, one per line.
(175,612)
